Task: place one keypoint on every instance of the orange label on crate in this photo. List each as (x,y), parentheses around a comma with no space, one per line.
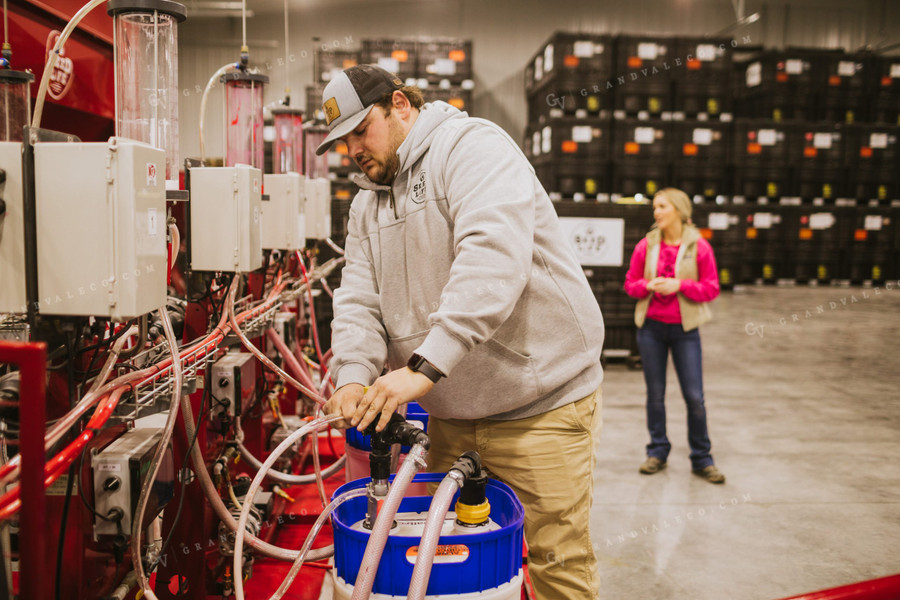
(569,147)
(457,55)
(570,60)
(810,152)
(865,152)
(349,62)
(342,194)
(806,234)
(635,62)
(751,233)
(860,235)
(886,81)
(754,148)
(400,55)
(632,148)
(834,80)
(452,553)
(457,103)
(706,233)
(341,147)
(690,150)
(694,64)
(781,77)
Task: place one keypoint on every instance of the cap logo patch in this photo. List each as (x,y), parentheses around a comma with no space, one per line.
(332,111)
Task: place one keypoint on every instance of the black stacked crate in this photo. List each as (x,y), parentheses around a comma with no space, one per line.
(568,134)
(885,101)
(699,153)
(643,76)
(640,155)
(873,158)
(760,157)
(817,153)
(329,63)
(765,245)
(871,253)
(702,87)
(396,56)
(781,85)
(455,95)
(447,61)
(815,241)
(848,79)
(724,226)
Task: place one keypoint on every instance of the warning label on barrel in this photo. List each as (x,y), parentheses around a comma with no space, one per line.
(452,553)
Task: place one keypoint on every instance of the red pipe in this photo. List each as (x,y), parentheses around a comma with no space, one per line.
(31,358)
(886,588)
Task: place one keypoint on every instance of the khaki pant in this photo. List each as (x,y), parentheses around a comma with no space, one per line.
(548,460)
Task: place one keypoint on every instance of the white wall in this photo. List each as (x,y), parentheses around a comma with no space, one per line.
(505,34)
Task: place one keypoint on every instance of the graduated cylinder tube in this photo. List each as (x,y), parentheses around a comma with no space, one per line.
(15,100)
(287,154)
(244,118)
(146,54)
(316,166)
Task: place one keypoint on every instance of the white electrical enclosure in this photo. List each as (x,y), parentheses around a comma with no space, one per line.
(12,232)
(101,228)
(284,215)
(226,219)
(318,208)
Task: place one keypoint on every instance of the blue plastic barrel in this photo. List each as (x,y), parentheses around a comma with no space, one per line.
(490,559)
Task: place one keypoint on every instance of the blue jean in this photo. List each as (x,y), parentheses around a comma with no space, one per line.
(655,340)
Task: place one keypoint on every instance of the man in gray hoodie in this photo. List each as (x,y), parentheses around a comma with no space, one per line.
(460,284)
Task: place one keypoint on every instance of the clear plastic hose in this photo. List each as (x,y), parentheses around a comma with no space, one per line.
(203,100)
(161,449)
(377,540)
(289,441)
(440,504)
(313,533)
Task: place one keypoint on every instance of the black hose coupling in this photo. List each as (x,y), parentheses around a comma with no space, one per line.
(398,431)
(472,508)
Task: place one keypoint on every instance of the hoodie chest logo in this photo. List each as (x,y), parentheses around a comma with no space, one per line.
(418,189)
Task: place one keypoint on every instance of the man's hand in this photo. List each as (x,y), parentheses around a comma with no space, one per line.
(387,394)
(667,286)
(343,402)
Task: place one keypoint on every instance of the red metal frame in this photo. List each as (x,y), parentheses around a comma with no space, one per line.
(31,359)
(885,588)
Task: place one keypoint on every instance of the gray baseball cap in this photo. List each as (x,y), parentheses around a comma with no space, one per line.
(349,97)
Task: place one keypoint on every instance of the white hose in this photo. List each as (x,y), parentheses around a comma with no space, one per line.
(254,486)
(331,244)
(161,448)
(382,528)
(288,478)
(54,53)
(313,533)
(176,243)
(203,99)
(262,357)
(440,504)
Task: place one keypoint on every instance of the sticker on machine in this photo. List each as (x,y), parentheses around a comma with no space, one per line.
(151,174)
(447,554)
(596,242)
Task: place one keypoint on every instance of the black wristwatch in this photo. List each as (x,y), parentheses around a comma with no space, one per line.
(420,365)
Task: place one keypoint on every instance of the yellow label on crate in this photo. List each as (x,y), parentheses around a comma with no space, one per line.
(826,190)
(590,186)
(654,105)
(771,189)
(593,103)
(850,116)
(712,106)
(725,276)
(709,192)
(882,192)
(776,114)
(651,187)
(876,272)
(767,271)
(452,553)
(822,272)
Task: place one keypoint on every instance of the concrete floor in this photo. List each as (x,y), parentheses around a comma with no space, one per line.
(803,401)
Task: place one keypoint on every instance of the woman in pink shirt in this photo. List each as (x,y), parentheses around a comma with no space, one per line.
(673,275)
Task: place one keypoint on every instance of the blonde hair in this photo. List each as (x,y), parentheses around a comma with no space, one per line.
(679,200)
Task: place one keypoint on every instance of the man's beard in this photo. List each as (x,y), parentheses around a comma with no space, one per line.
(384,173)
